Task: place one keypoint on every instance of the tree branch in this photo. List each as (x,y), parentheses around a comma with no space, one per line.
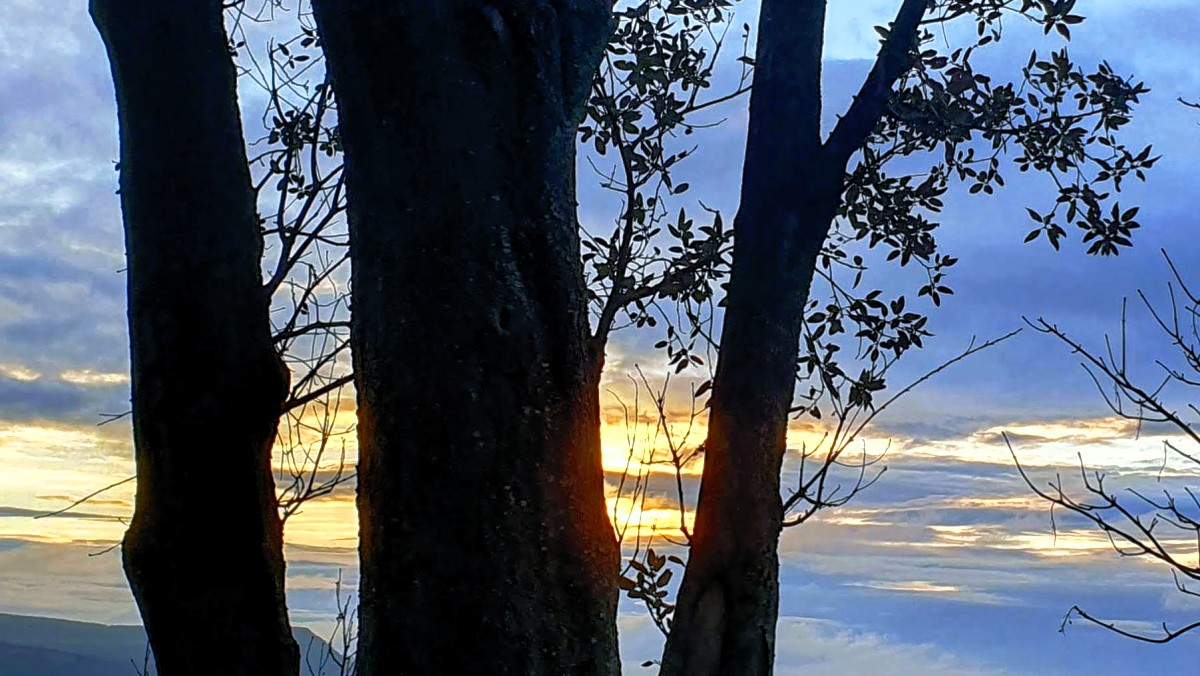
(318,393)
(895,58)
(89,496)
(285,335)
(1168,634)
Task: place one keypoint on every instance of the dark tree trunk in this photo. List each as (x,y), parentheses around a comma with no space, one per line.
(203,553)
(484,538)
(728,601)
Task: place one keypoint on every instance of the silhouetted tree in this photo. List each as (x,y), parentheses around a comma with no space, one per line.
(484,540)
(800,193)
(1162,526)
(660,267)
(203,553)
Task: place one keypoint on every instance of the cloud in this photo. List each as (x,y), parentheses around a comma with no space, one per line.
(61,301)
(20,512)
(926,587)
(822,648)
(92,378)
(35,399)
(817,648)
(19,373)
(58,580)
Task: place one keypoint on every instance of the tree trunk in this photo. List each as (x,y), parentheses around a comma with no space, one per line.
(203,553)
(728,603)
(792,182)
(484,539)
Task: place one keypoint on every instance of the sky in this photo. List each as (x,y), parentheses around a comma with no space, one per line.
(948,565)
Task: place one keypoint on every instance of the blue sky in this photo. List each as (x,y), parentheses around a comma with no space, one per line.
(946,566)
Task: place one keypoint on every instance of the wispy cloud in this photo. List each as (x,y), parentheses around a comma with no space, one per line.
(816,647)
(93,378)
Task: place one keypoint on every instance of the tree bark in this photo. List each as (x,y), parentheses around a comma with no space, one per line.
(484,539)
(728,602)
(203,553)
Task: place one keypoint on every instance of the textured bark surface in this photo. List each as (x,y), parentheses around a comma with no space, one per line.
(728,602)
(203,553)
(484,539)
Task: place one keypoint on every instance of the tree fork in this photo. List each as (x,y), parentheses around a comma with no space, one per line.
(728,606)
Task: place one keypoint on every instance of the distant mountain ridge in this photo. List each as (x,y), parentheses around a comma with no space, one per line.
(44,646)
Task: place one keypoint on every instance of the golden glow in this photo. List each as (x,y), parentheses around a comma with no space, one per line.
(19,373)
(51,460)
(1103,442)
(1070,430)
(856,521)
(963,535)
(331,522)
(645,444)
(916,586)
(646,448)
(90,378)
(650,519)
(48,466)
(298,442)
(1066,543)
(1020,503)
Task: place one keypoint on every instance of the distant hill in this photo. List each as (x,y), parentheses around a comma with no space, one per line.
(29,661)
(43,646)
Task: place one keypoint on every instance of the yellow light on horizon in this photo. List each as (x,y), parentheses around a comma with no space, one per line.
(649,519)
